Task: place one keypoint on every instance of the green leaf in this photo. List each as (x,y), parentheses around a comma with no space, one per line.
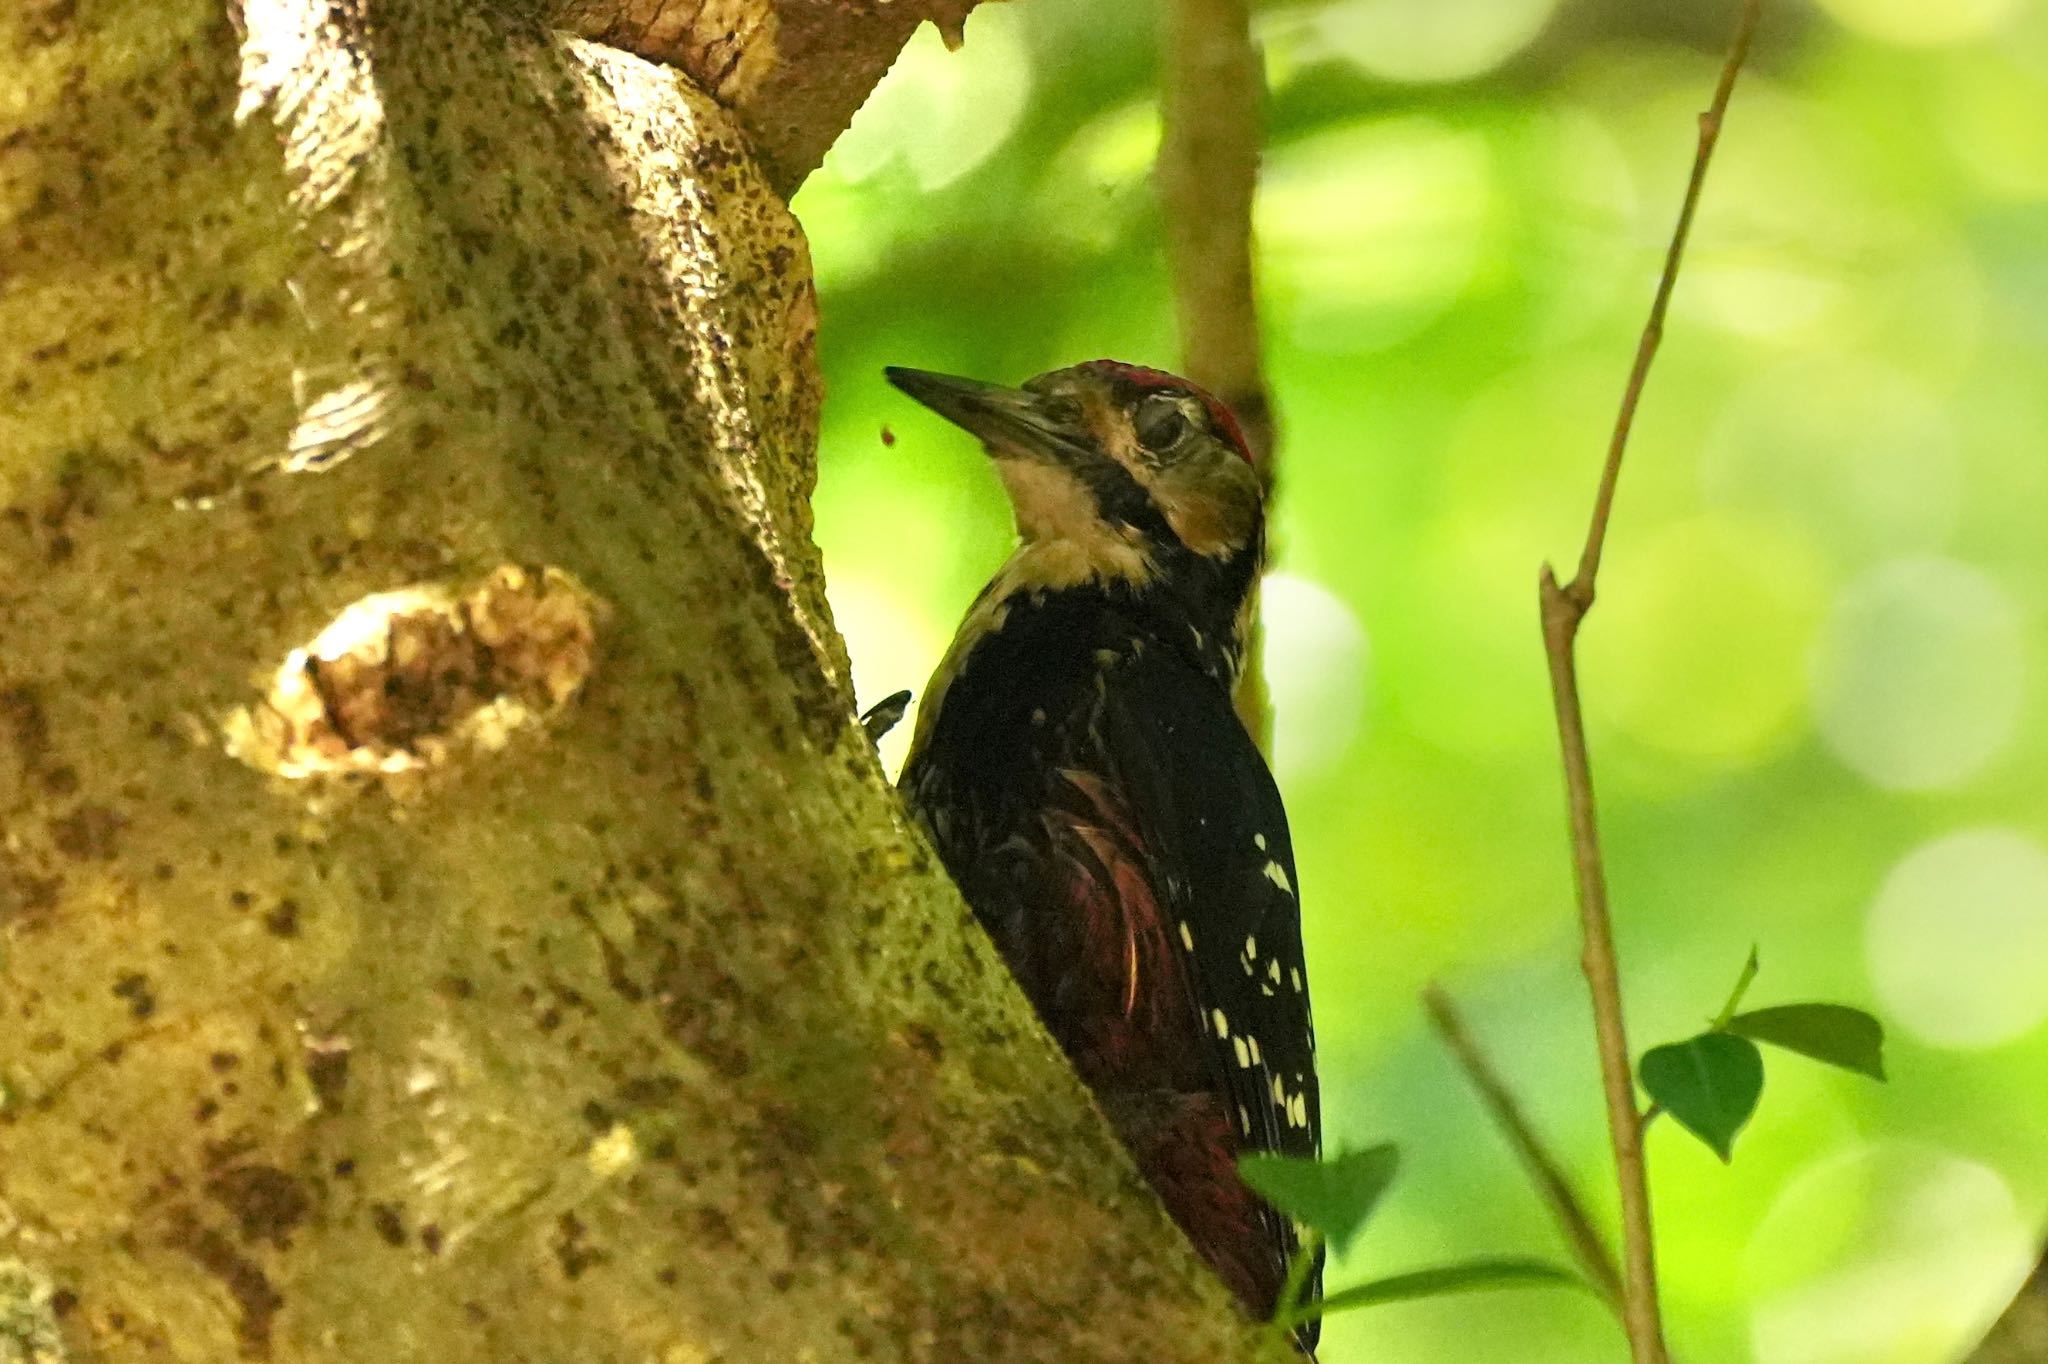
(1710,1084)
(1832,1033)
(1467,1276)
(1334,1196)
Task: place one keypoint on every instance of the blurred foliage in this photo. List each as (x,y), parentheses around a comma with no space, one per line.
(1813,680)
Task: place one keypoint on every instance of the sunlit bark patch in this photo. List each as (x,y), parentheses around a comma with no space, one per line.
(28,1316)
(409,679)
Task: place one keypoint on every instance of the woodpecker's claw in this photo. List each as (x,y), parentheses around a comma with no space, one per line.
(884,716)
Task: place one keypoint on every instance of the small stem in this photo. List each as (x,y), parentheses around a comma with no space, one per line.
(1287,1312)
(1544,1171)
(1581,587)
(1564,608)
(1212,89)
(1602,969)
(1742,984)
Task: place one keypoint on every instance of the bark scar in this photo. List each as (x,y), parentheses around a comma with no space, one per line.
(410,679)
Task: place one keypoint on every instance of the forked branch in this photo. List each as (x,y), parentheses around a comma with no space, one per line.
(1564,608)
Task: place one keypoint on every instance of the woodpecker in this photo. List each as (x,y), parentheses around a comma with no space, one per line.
(1085,778)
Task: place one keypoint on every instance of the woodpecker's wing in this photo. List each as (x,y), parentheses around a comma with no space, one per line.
(1212,814)
(1213,820)
(1093,791)
(1117,833)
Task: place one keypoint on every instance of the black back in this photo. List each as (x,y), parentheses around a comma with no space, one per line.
(1117,832)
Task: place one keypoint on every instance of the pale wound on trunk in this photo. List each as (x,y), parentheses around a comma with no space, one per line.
(409,679)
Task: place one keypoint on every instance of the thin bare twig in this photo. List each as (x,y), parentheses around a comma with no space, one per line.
(1588,1246)
(1564,608)
(1213,88)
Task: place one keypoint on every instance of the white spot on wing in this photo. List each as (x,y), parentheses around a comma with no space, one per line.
(1244,1055)
(1222,1023)
(1259,842)
(1187,936)
(1277,874)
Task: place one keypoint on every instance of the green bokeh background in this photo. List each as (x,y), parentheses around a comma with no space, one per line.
(1813,675)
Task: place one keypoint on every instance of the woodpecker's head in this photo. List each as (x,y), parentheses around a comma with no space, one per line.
(1117,473)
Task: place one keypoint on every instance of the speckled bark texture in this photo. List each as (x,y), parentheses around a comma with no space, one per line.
(544,972)
(792,71)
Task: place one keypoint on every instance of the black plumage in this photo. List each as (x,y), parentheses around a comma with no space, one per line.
(1086,780)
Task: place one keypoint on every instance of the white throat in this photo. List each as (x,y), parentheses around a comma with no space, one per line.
(1065,541)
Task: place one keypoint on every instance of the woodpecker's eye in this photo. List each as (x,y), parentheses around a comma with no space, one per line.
(1159,423)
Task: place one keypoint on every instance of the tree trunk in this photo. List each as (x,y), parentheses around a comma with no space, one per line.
(2020,1335)
(446,909)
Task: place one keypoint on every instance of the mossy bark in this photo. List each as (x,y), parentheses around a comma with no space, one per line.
(641,1029)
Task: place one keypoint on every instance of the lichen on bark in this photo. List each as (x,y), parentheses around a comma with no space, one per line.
(654,1036)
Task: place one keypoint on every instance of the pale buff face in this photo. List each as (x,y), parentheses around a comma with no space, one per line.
(1056,514)
(1208,492)
(1049,441)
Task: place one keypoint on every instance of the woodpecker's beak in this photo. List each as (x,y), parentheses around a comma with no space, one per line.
(1010,422)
